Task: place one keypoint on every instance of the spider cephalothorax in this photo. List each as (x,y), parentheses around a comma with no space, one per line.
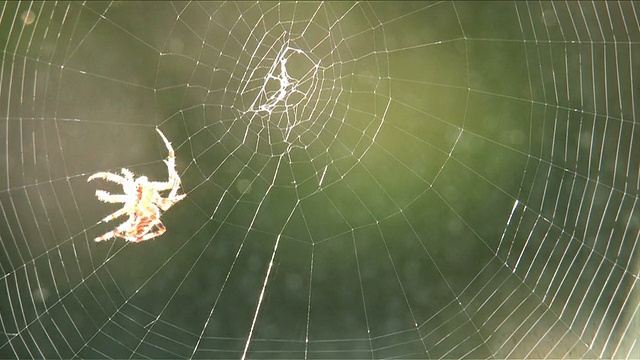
(141,201)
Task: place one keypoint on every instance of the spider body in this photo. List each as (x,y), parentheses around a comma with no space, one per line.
(141,200)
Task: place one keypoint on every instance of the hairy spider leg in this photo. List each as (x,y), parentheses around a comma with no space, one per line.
(166,203)
(111,198)
(161,230)
(143,227)
(175,178)
(127,174)
(173,182)
(113,233)
(166,141)
(118,230)
(116,214)
(107,236)
(109,177)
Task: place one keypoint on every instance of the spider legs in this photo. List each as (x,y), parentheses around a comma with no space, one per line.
(116,214)
(107,236)
(166,142)
(173,182)
(114,233)
(151,235)
(166,203)
(171,159)
(128,177)
(110,198)
(137,228)
(143,228)
(174,179)
(141,200)
(108,176)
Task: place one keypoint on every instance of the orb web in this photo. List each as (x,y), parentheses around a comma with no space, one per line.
(363,180)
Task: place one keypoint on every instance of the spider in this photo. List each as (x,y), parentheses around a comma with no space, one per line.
(142,201)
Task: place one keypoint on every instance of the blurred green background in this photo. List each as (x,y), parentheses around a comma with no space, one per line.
(450,179)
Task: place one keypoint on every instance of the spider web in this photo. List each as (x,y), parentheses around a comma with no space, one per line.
(363,180)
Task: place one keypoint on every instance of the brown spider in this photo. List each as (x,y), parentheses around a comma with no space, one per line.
(142,201)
